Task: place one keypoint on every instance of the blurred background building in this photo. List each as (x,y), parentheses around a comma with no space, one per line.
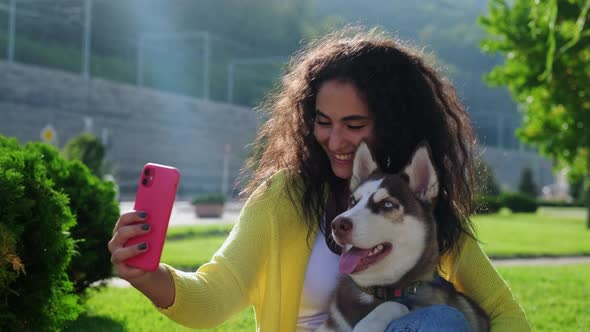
(177,82)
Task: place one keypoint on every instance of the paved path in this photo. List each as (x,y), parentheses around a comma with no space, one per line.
(183,213)
(541,261)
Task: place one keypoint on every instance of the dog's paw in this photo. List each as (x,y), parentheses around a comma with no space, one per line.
(380,317)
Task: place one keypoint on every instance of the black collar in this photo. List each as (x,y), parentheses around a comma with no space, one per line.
(388,293)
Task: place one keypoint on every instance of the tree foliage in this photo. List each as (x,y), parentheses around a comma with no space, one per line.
(547,50)
(35,244)
(89,150)
(526,184)
(546,45)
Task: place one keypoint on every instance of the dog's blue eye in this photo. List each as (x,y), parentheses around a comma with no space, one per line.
(389,205)
(352,201)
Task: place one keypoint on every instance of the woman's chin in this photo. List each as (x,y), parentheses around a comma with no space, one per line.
(342,172)
(343,175)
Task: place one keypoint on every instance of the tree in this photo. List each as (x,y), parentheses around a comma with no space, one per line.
(487,182)
(546,45)
(527,184)
(89,150)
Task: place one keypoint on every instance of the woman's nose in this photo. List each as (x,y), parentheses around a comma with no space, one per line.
(337,139)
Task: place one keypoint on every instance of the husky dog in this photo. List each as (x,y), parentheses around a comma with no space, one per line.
(389,248)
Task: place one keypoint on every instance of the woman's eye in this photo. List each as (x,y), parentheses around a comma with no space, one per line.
(356,127)
(322,123)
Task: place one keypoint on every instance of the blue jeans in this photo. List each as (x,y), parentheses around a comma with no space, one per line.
(433,318)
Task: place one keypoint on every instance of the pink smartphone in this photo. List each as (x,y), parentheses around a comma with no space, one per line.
(155,195)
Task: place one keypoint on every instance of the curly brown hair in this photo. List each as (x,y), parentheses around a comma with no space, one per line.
(410,103)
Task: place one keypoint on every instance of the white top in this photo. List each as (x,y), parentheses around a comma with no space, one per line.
(321,278)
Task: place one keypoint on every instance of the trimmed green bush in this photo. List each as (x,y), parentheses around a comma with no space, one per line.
(486,204)
(209,198)
(542,202)
(518,202)
(35,221)
(94,205)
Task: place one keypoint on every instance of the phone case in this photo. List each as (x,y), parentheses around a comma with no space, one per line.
(155,195)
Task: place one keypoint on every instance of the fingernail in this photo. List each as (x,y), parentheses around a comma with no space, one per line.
(142,214)
(145,227)
(142,246)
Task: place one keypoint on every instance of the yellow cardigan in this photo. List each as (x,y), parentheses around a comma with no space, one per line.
(263,262)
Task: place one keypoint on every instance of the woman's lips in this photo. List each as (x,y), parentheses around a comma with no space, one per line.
(342,158)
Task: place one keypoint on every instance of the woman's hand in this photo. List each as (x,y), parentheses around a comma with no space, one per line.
(158,285)
(128,226)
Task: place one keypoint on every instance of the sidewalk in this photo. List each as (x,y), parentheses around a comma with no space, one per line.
(541,261)
(183,213)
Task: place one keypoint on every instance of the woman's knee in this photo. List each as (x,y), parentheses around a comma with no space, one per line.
(436,317)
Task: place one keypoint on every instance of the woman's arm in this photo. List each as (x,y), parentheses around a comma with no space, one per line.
(220,288)
(227,283)
(472,273)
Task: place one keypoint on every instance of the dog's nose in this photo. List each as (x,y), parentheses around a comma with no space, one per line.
(341,226)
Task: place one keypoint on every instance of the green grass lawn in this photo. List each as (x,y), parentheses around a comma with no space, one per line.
(125,309)
(556,298)
(542,234)
(189,247)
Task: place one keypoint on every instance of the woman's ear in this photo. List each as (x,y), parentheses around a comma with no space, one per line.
(422,175)
(363,165)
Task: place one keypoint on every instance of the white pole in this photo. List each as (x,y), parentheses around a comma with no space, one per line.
(140,61)
(11,30)
(206,61)
(86,39)
(230,82)
(225,174)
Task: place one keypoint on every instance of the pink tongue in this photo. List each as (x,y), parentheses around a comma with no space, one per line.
(351,259)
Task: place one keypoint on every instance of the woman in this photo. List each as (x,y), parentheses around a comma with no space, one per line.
(347,87)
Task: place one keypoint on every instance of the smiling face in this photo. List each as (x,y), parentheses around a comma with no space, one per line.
(342,121)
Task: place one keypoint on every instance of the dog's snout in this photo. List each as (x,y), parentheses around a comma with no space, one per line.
(341,226)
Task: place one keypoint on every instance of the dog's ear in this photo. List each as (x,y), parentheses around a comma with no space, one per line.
(362,166)
(422,175)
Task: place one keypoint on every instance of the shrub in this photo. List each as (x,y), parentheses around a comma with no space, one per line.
(547,203)
(485,204)
(209,198)
(93,203)
(527,184)
(89,150)
(577,189)
(36,244)
(518,202)
(487,183)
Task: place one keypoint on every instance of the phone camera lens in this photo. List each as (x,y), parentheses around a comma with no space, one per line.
(146,172)
(144,182)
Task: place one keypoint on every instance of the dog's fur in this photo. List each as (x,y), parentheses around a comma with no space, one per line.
(395,211)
